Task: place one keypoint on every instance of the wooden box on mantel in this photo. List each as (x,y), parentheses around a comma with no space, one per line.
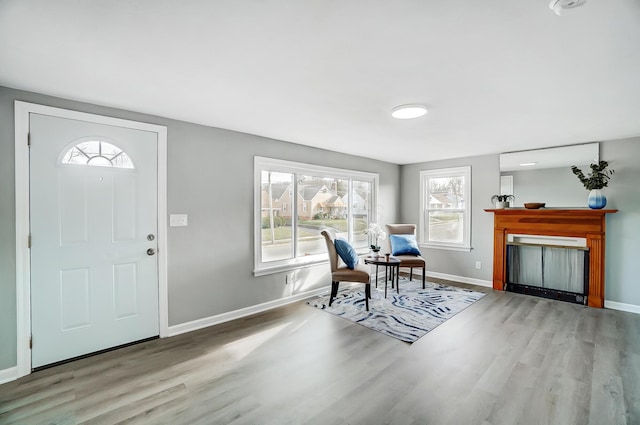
(571,222)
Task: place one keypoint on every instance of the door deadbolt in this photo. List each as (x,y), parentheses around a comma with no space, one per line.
(151,251)
(150,237)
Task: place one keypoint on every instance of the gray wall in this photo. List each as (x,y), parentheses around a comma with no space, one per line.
(485,178)
(210,177)
(623,228)
(556,187)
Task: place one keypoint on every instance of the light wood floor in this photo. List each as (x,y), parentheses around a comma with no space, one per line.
(507,359)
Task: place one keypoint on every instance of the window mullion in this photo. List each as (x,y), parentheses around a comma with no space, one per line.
(294,216)
(350,198)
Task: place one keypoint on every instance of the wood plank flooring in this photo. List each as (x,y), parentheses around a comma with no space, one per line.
(507,359)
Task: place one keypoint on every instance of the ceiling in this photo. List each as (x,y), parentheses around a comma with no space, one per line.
(496,75)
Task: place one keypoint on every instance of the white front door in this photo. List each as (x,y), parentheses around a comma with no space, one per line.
(93,220)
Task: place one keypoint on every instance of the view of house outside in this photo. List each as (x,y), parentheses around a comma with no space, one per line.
(445,209)
(319,203)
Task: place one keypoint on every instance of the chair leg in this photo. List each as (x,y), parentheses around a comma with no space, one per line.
(367,294)
(423,273)
(334,291)
(410,274)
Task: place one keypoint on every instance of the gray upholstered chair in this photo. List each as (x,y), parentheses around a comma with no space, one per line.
(410,261)
(341,273)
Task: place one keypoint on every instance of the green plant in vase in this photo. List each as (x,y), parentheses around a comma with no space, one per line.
(502,201)
(596,180)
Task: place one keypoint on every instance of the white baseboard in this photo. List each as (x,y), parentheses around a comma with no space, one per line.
(461,279)
(8,375)
(614,305)
(243,312)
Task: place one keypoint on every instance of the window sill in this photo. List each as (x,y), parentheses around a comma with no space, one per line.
(446,247)
(267,270)
(301,264)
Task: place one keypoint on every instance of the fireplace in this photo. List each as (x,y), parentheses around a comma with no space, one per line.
(580,230)
(548,266)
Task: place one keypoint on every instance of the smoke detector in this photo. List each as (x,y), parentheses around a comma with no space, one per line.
(561,7)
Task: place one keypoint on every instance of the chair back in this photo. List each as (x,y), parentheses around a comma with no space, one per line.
(401,229)
(331,248)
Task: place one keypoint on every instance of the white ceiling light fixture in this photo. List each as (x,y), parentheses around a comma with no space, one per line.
(561,7)
(528,164)
(407,112)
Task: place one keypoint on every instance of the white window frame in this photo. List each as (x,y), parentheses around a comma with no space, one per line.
(425,175)
(270,164)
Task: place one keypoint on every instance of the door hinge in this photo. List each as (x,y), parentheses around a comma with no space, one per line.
(29,241)
(29,139)
(31,342)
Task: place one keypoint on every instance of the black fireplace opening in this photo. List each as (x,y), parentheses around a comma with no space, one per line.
(555,272)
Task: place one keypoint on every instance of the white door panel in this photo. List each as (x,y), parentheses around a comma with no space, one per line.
(93,286)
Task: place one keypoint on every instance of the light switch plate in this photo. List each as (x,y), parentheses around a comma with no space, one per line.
(178,220)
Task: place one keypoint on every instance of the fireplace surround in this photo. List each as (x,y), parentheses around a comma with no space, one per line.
(586,224)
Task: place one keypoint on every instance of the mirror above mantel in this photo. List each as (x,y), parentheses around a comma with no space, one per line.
(544,175)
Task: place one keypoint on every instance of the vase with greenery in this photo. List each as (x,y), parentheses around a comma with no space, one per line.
(502,201)
(596,180)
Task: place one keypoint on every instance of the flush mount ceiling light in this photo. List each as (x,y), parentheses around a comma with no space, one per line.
(560,7)
(406,112)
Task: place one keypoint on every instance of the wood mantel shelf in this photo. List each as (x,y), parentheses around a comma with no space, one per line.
(572,222)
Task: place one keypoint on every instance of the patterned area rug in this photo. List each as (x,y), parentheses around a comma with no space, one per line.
(406,316)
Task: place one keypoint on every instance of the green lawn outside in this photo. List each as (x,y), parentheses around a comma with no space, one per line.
(284,233)
(339,225)
(444,217)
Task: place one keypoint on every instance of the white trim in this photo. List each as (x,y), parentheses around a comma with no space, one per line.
(23,267)
(294,264)
(547,240)
(461,279)
(445,247)
(8,375)
(299,263)
(23,277)
(243,312)
(163,243)
(614,305)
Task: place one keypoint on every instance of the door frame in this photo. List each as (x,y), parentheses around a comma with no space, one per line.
(22,184)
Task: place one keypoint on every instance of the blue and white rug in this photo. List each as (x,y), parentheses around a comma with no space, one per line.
(406,316)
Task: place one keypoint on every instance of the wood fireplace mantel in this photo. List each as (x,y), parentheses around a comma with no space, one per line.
(581,223)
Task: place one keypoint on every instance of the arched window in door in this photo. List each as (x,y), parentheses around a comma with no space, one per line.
(97,153)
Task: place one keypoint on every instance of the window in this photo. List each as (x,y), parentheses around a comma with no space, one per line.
(296,201)
(97,153)
(445,200)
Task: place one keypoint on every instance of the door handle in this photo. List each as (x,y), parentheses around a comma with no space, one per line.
(151,251)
